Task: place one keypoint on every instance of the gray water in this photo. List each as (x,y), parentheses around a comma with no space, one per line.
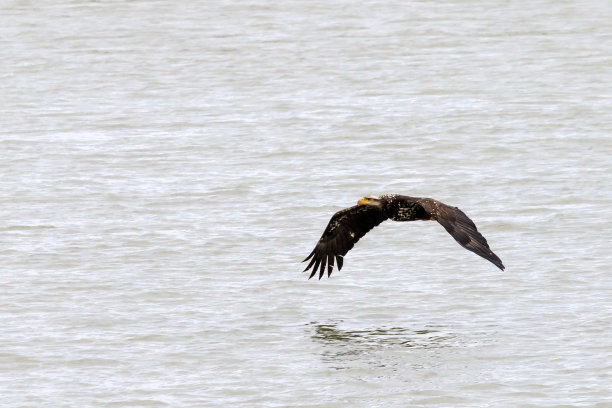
(165,167)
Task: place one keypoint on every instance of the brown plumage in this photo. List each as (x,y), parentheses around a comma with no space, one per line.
(347,226)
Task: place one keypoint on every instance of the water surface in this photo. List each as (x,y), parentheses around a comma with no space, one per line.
(164,169)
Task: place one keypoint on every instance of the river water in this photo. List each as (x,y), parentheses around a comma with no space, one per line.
(165,167)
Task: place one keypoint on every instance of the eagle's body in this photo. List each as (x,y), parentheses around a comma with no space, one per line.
(347,226)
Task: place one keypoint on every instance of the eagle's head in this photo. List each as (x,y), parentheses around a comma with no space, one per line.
(370,200)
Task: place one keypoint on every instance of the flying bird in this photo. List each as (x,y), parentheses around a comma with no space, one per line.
(347,226)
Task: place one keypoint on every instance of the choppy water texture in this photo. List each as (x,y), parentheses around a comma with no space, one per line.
(165,167)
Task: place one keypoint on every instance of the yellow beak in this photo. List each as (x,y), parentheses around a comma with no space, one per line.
(363,201)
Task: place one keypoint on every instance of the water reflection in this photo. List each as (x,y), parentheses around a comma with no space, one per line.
(375,346)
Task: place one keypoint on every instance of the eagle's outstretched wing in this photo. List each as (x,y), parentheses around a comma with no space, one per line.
(461,228)
(345,228)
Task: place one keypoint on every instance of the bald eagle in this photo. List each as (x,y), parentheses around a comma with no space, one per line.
(347,226)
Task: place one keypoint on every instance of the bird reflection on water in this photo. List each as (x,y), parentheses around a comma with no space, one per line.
(375,345)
